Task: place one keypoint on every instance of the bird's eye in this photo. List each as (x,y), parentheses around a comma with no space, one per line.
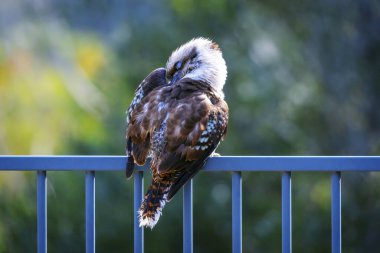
(178,65)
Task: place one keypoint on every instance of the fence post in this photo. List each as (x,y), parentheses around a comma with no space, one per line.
(236,212)
(286,212)
(138,197)
(41,212)
(336,210)
(188,217)
(90,212)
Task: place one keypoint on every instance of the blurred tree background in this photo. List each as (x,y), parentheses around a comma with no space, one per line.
(303,80)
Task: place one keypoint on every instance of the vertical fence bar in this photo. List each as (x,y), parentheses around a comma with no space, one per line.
(138,196)
(236,212)
(188,217)
(90,212)
(41,212)
(286,212)
(336,213)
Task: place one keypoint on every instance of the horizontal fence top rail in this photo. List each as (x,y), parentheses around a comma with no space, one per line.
(223,163)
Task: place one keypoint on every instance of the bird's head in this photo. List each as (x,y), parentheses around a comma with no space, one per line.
(199,59)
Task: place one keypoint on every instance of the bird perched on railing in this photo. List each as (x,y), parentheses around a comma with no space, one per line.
(177,117)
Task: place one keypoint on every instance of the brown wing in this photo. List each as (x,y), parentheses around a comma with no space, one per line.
(195,127)
(146,118)
(184,124)
(155,79)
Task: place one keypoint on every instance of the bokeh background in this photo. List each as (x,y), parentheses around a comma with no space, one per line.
(304,79)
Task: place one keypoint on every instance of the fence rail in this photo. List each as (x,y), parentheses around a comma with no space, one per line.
(285,164)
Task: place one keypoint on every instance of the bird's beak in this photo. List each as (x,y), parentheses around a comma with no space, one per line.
(176,77)
(180,73)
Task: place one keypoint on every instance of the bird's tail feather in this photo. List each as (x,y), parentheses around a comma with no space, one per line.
(153,203)
(130,166)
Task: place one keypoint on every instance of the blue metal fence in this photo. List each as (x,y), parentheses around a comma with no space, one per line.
(236,164)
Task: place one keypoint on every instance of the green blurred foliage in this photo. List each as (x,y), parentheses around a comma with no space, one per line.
(303,80)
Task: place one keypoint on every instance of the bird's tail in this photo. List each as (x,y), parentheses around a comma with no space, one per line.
(153,203)
(130,166)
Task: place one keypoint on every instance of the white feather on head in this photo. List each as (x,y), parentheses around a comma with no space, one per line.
(211,68)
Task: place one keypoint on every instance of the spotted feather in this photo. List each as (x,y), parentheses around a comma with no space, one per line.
(154,80)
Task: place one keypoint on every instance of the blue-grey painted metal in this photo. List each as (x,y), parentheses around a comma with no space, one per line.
(41,212)
(286,212)
(138,197)
(188,217)
(336,213)
(90,212)
(224,163)
(236,212)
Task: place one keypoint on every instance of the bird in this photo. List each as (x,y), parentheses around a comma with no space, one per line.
(177,118)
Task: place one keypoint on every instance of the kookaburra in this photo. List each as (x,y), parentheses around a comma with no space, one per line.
(177,118)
